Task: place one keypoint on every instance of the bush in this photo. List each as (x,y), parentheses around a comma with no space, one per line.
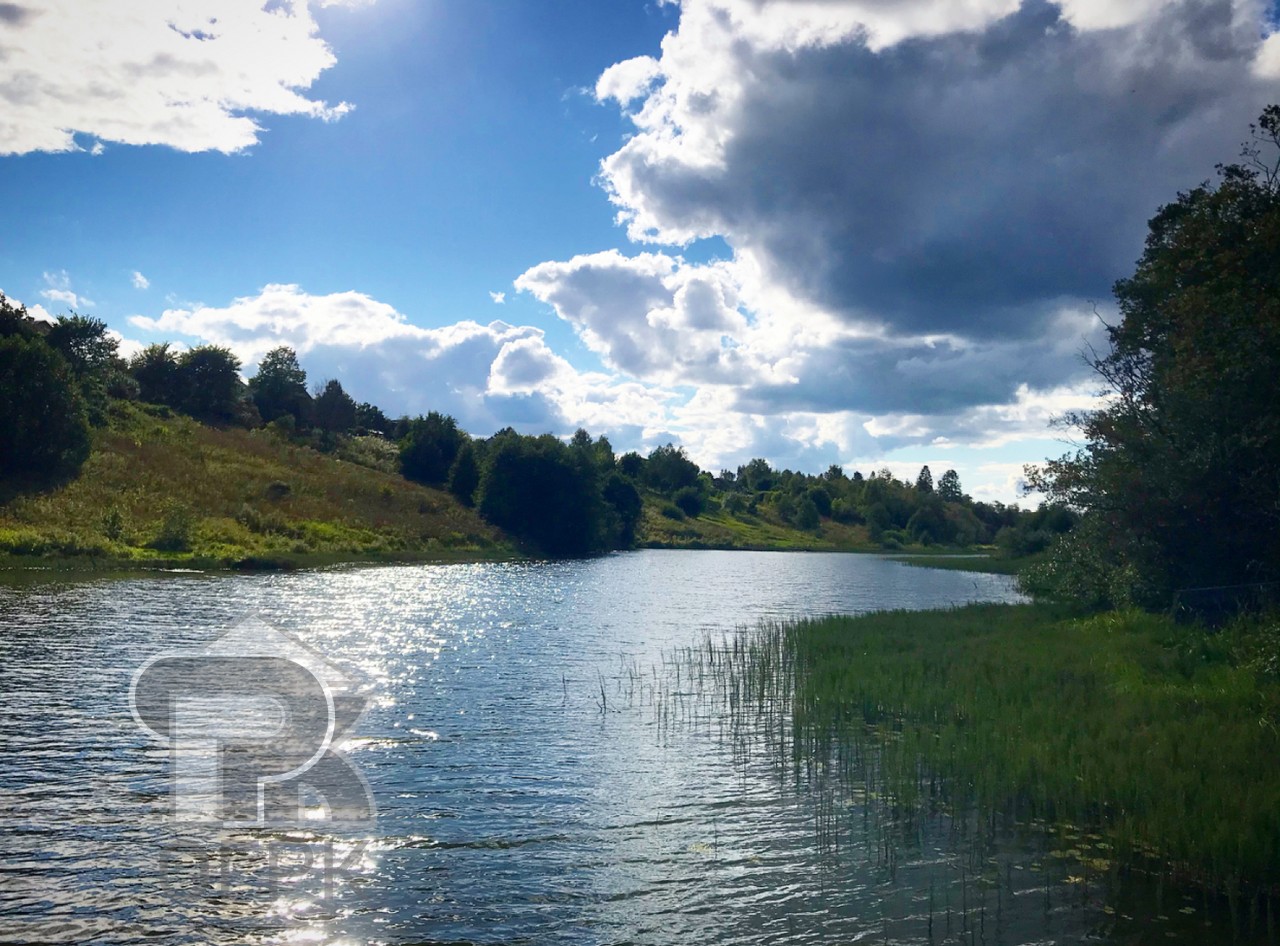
(690,501)
(672,511)
(176,529)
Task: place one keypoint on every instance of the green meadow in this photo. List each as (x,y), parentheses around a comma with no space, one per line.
(161,489)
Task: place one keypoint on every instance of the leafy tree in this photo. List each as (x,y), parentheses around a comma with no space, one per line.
(669,469)
(280,387)
(333,409)
(631,465)
(621,494)
(464,475)
(821,499)
(757,476)
(84,342)
(155,368)
(542,491)
(924,482)
(14,320)
(209,384)
(1178,474)
(370,417)
(429,448)
(949,487)
(806,513)
(929,524)
(44,433)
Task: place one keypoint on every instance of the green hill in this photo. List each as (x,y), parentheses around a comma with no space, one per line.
(662,525)
(162,489)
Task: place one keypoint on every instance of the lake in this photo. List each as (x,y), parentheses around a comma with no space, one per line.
(527,788)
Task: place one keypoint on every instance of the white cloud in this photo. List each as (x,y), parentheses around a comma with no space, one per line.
(188,74)
(58,289)
(927,164)
(35,311)
(488,376)
(499,298)
(140,281)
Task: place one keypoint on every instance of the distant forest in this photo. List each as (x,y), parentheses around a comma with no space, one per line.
(560,498)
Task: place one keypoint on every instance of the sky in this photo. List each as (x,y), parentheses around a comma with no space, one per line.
(879,233)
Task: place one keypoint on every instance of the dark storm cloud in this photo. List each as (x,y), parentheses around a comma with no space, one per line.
(956,183)
(13,15)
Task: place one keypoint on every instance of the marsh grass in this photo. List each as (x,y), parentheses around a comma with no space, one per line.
(1116,742)
(163,488)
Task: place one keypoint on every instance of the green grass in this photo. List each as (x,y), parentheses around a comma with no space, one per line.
(162,490)
(717,529)
(1164,739)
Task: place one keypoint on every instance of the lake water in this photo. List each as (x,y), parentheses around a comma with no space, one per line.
(524,793)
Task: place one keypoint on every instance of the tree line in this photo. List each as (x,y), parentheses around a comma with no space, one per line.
(561,498)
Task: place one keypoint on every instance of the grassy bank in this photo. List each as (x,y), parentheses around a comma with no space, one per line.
(1161,738)
(160,489)
(663,526)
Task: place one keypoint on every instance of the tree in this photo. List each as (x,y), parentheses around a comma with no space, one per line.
(84,342)
(669,469)
(631,465)
(949,487)
(155,368)
(44,433)
(806,514)
(464,475)
(280,387)
(333,409)
(370,417)
(429,448)
(924,482)
(544,492)
(14,320)
(209,384)
(1178,473)
(621,494)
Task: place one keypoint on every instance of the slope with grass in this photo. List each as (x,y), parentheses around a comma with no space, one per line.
(160,488)
(662,525)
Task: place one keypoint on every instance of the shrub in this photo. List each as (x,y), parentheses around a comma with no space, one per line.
(690,501)
(176,528)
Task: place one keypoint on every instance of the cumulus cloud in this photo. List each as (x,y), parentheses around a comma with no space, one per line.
(58,289)
(187,74)
(925,201)
(488,376)
(933,166)
(499,298)
(140,281)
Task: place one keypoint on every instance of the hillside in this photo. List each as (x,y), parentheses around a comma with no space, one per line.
(161,488)
(664,526)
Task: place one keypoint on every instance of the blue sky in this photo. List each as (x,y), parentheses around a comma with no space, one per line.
(843,231)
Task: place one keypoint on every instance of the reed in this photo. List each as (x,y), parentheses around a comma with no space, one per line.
(1126,740)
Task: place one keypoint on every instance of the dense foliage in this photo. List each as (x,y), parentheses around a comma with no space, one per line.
(1179,471)
(45,435)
